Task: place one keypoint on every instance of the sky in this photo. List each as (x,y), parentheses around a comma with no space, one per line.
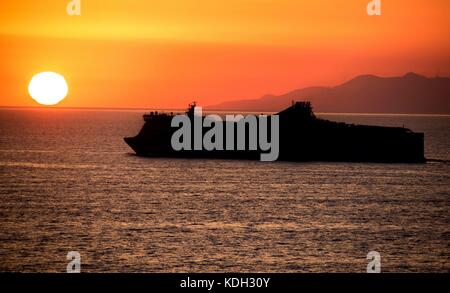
(165,54)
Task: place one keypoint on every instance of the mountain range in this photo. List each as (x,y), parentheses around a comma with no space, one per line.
(408,94)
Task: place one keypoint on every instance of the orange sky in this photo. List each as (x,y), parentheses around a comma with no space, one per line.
(164,54)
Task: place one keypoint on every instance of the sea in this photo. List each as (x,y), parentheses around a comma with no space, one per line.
(68,182)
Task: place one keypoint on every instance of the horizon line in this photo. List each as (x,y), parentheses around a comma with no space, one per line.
(179,109)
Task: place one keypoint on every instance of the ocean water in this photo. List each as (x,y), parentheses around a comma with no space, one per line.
(68,182)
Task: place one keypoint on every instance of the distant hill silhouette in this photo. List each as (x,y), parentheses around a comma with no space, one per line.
(411,93)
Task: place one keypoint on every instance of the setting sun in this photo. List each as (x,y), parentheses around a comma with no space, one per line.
(48,88)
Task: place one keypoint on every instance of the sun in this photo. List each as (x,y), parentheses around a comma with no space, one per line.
(48,88)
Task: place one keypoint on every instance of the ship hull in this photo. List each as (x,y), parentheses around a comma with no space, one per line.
(359,152)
